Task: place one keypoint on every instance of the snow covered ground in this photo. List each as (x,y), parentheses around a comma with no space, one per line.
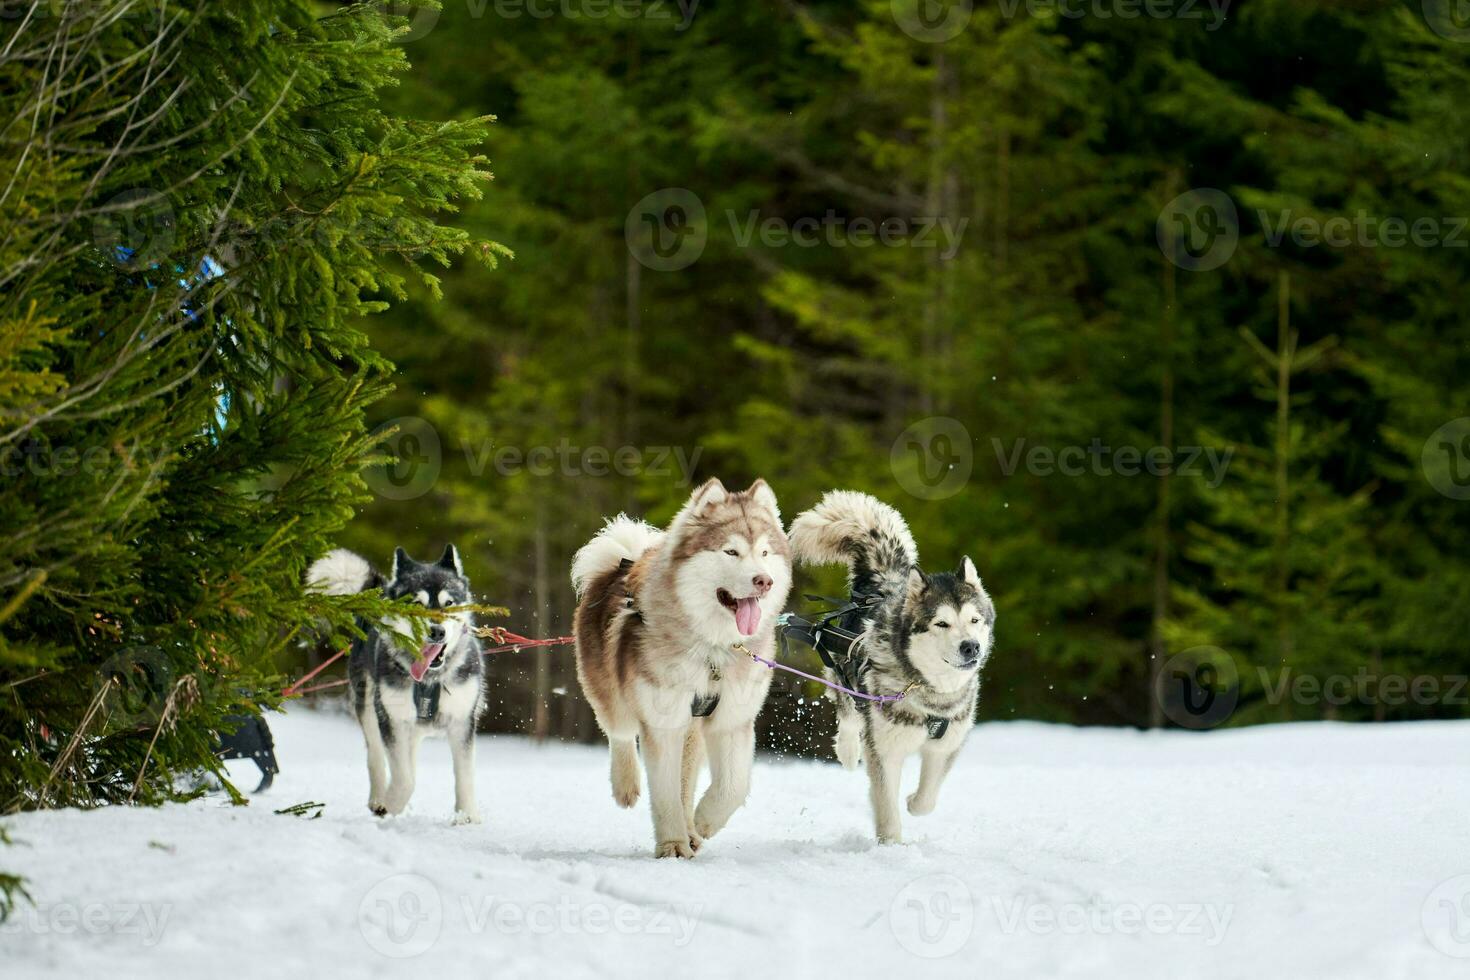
(1292,851)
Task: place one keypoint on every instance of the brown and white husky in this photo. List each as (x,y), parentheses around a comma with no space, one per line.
(660,617)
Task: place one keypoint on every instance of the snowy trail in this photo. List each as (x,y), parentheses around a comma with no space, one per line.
(1289,851)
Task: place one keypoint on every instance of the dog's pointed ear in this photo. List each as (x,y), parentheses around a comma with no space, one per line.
(918,582)
(450,560)
(711,493)
(400,562)
(970,576)
(764,496)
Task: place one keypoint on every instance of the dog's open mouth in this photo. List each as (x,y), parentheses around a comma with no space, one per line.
(747,611)
(431,657)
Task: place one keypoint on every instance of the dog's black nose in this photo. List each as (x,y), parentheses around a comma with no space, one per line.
(436,634)
(970,651)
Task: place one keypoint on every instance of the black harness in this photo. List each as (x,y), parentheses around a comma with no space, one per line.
(426,701)
(834,636)
(251,740)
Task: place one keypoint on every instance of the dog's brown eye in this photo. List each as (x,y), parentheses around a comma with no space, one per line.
(975,620)
(941,624)
(732,552)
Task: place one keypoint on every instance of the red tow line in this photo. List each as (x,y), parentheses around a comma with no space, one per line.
(507,642)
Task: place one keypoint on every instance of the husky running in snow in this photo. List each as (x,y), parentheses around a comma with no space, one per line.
(924,636)
(400,695)
(660,616)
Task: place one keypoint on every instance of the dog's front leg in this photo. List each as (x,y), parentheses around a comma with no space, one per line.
(935,766)
(663,754)
(731,754)
(462,748)
(377,759)
(884,769)
(401,742)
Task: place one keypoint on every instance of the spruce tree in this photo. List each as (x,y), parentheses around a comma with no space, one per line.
(201,202)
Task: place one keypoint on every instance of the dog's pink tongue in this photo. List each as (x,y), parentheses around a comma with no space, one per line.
(747,615)
(420,667)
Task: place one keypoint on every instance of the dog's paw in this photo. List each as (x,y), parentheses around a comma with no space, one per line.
(919,806)
(894,836)
(465,817)
(849,749)
(673,848)
(625,798)
(378,809)
(695,841)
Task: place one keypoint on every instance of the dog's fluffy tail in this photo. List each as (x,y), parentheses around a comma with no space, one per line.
(623,539)
(342,572)
(856,530)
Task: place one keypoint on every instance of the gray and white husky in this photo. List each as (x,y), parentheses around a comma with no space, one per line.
(665,626)
(400,695)
(923,635)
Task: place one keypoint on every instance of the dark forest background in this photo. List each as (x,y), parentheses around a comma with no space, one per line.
(1132,263)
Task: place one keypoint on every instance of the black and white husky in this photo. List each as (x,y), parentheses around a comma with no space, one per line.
(399,694)
(924,636)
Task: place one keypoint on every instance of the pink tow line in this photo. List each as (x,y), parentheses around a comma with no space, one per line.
(879,698)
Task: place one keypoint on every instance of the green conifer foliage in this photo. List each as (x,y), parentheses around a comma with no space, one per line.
(200,203)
